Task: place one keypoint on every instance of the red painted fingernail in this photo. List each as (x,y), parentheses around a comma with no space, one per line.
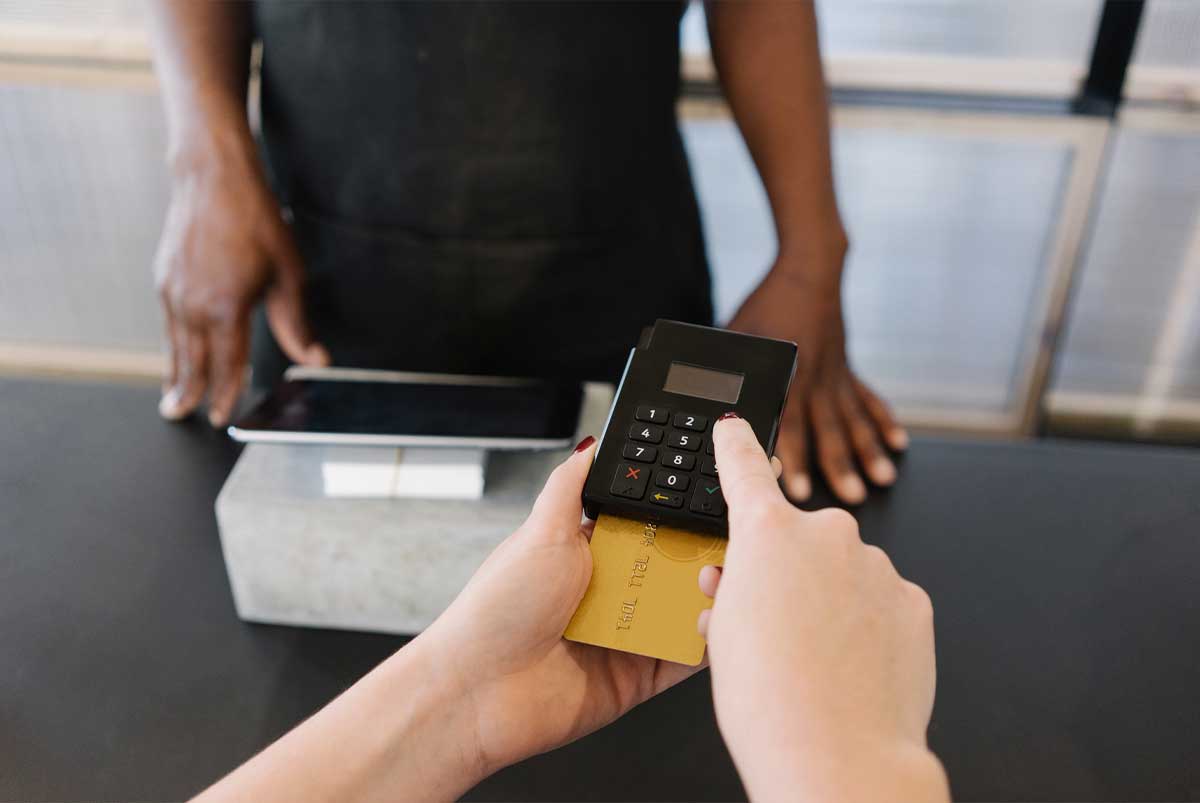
(730,414)
(585,443)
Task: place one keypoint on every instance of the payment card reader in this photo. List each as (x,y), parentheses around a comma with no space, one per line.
(655,461)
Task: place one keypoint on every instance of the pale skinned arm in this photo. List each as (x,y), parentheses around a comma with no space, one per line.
(491,682)
(822,655)
(827,697)
(400,733)
(768,60)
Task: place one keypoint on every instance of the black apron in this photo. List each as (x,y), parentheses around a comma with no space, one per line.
(484,188)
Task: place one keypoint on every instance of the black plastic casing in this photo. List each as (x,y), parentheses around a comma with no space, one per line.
(767,366)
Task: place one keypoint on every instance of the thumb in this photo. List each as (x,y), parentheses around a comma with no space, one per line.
(285,308)
(560,504)
(747,477)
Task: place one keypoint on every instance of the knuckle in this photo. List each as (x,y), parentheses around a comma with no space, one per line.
(876,554)
(879,559)
(832,448)
(741,486)
(559,477)
(194,309)
(223,309)
(863,435)
(208,307)
(826,425)
(162,282)
(193,380)
(739,449)
(754,517)
(921,601)
(879,404)
(762,517)
(777,513)
(169,287)
(836,520)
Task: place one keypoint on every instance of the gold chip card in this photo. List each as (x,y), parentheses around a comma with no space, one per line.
(644,596)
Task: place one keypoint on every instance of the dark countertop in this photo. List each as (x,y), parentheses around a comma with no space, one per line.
(1065,578)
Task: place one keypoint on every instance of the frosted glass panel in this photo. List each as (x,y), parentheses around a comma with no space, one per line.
(949,241)
(1057,30)
(1134,329)
(1169,35)
(73,15)
(82,195)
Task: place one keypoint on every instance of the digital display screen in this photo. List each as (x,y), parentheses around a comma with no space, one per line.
(520,410)
(704,383)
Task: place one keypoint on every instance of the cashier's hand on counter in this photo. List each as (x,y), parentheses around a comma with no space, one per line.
(833,420)
(224,248)
(822,662)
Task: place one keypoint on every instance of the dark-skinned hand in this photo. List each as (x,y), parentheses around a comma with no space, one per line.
(224,247)
(831,415)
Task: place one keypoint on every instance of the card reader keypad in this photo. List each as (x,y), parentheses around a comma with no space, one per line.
(653,415)
(679,460)
(676,480)
(630,481)
(678,381)
(684,440)
(647,433)
(696,423)
(640,452)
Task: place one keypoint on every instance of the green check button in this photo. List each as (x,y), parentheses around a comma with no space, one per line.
(707,499)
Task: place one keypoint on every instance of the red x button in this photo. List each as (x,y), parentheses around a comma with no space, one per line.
(632,473)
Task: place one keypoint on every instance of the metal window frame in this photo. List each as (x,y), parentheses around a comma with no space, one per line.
(1149,414)
(1112,50)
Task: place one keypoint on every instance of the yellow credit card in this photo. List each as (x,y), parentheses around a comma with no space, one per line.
(644,596)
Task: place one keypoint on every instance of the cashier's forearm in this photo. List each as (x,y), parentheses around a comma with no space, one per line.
(202,59)
(768,60)
(400,733)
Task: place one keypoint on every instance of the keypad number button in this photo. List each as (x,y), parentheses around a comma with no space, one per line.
(647,433)
(672,480)
(707,498)
(696,423)
(684,440)
(630,481)
(708,466)
(683,462)
(643,454)
(655,415)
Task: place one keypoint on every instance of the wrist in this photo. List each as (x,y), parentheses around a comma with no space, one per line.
(816,234)
(815,281)
(491,718)
(847,769)
(906,771)
(815,262)
(436,723)
(399,733)
(206,145)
